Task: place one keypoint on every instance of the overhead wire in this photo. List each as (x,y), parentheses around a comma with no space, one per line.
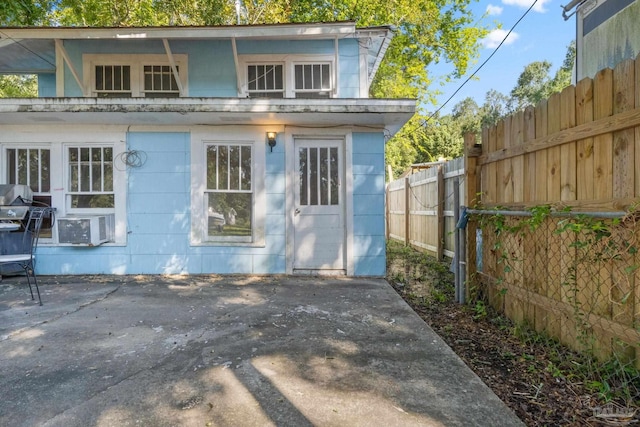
(18,42)
(481,65)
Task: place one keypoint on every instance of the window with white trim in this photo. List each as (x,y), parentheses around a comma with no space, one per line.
(32,167)
(313,80)
(228,200)
(229,192)
(265,80)
(112,81)
(159,81)
(290,76)
(112,76)
(90,177)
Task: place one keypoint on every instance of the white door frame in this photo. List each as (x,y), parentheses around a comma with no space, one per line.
(291,134)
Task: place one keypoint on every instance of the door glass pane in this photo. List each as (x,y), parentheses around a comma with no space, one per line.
(304,182)
(313,176)
(333,168)
(324,176)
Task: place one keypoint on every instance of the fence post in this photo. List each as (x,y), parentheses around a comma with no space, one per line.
(440,213)
(407,211)
(387,209)
(457,265)
(471,154)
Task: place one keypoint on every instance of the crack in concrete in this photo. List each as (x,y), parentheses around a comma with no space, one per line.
(60,315)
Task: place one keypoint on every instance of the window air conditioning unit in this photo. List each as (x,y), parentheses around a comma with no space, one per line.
(86,230)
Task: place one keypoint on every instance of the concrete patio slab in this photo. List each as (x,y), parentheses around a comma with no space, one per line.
(229,351)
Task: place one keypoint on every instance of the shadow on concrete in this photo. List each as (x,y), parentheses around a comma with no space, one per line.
(229,351)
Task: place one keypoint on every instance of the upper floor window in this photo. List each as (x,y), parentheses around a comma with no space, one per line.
(112,81)
(117,76)
(265,80)
(288,77)
(313,80)
(159,81)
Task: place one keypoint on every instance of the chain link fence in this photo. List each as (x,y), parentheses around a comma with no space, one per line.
(574,278)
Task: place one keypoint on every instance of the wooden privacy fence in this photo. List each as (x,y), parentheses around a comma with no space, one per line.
(578,149)
(421,207)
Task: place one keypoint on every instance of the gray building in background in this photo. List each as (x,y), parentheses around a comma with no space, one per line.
(607,32)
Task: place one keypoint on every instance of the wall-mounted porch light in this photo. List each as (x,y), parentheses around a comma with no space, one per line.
(271,139)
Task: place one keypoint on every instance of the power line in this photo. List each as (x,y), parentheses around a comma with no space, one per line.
(481,65)
(18,42)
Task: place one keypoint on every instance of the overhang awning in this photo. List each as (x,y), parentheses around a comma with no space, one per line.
(384,114)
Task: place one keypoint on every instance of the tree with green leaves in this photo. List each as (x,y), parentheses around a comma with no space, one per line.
(535,83)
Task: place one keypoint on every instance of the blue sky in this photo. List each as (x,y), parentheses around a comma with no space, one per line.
(542,35)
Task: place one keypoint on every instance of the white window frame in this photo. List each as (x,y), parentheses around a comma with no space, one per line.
(58,139)
(311,90)
(203,137)
(289,62)
(8,147)
(137,63)
(12,146)
(246,80)
(68,193)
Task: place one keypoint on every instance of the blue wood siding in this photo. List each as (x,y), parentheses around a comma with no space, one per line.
(211,66)
(46,85)
(348,49)
(368,204)
(158,217)
(158,222)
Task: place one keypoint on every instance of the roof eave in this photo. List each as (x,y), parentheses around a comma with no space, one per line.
(322,30)
(383,114)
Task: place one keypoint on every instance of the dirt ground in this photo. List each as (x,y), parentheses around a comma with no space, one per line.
(537,380)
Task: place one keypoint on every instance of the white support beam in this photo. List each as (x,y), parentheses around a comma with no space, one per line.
(62,51)
(237,64)
(364,71)
(174,68)
(336,66)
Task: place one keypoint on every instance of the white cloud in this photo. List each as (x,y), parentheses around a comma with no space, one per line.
(494,10)
(539,7)
(495,37)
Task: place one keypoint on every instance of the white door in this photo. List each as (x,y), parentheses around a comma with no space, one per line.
(318,220)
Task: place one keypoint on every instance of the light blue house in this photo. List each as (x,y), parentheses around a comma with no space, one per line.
(187,150)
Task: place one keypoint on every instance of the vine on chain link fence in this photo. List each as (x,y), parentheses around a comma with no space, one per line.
(574,277)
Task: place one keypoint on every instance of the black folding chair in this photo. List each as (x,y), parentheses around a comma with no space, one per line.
(24,255)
